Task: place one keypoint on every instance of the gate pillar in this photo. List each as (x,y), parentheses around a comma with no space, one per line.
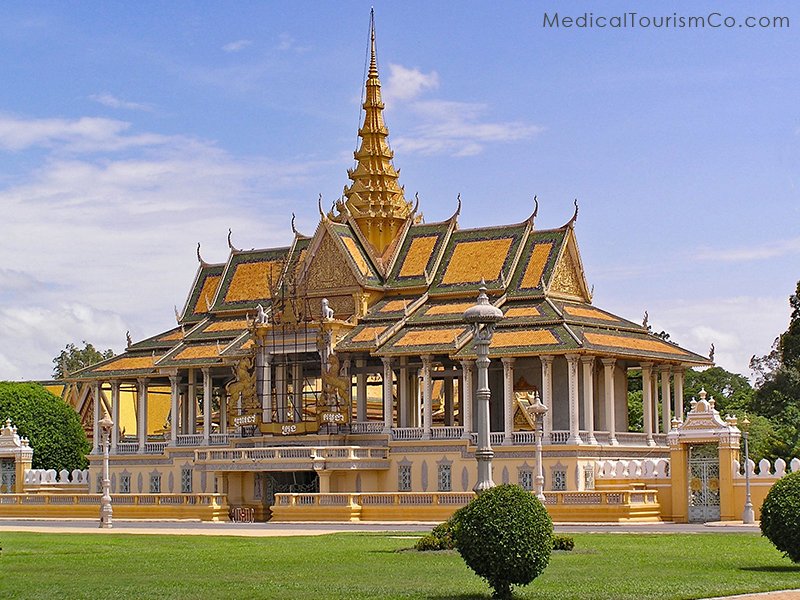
(15,458)
(702,476)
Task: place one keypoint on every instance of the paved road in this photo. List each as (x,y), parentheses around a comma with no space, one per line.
(177,527)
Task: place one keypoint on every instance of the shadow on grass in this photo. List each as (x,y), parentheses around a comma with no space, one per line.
(462,597)
(773,569)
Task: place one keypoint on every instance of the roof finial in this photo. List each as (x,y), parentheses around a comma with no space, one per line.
(574,218)
(373,53)
(230,244)
(532,218)
(200,258)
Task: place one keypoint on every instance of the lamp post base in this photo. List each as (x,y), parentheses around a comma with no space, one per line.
(484,459)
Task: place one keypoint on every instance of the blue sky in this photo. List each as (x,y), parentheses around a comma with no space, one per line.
(131,131)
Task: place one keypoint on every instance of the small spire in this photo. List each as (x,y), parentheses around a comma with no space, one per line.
(373,52)
(374,198)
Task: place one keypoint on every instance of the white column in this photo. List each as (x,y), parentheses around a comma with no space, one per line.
(588,398)
(115,415)
(297,391)
(449,405)
(207,384)
(466,396)
(96,390)
(666,416)
(387,395)
(281,385)
(403,400)
(141,426)
(266,389)
(610,413)
(191,400)
(647,403)
(508,401)
(679,393)
(654,397)
(174,382)
(361,391)
(547,394)
(427,398)
(574,415)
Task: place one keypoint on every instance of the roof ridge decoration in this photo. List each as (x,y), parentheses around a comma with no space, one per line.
(230,244)
(374,199)
(200,258)
(294,229)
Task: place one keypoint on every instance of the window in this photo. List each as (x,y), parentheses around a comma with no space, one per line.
(99,483)
(559,480)
(526,479)
(125,483)
(445,479)
(186,481)
(404,478)
(155,483)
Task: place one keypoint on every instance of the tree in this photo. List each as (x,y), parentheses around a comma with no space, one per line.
(73,359)
(732,392)
(52,426)
(777,394)
(505,535)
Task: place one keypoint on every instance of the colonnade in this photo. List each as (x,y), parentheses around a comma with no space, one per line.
(411,382)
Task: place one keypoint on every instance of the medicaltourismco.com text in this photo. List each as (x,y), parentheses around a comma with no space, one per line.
(634,20)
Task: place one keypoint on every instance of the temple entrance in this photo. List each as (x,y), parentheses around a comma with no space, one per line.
(8,475)
(287,482)
(703,479)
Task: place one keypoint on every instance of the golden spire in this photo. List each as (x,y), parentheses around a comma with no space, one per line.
(375,199)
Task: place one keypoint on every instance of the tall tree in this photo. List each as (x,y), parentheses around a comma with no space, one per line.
(73,358)
(778,385)
(53,427)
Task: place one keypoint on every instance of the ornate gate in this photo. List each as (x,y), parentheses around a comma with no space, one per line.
(703,483)
(8,475)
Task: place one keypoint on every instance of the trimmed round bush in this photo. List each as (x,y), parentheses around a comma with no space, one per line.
(780,516)
(505,535)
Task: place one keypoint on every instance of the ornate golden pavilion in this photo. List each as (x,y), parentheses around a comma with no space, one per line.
(341,363)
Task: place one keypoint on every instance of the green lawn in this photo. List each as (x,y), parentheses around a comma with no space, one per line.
(613,566)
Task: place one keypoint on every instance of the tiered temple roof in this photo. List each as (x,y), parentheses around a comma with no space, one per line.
(402,284)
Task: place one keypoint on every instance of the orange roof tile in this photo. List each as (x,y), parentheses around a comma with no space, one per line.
(523,337)
(251,280)
(472,260)
(428,337)
(589,313)
(618,341)
(418,255)
(207,293)
(536,264)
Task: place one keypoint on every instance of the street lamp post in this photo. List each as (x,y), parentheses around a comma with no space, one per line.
(105,500)
(539,410)
(483,317)
(748,516)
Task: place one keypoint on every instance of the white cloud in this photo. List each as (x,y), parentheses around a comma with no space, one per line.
(40,332)
(738,326)
(287,43)
(457,128)
(95,244)
(758,252)
(87,134)
(114,102)
(445,126)
(237,45)
(407,84)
